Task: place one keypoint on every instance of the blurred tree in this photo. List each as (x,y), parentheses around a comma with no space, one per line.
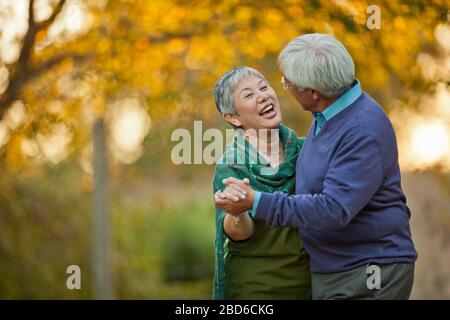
(82,56)
(23,70)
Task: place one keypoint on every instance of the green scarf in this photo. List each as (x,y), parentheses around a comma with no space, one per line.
(241,160)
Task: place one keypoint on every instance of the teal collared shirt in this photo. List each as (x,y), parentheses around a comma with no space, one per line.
(337,106)
(321,118)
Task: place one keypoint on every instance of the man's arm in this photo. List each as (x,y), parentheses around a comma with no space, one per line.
(354,176)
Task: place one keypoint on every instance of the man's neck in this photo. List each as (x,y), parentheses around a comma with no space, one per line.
(323,104)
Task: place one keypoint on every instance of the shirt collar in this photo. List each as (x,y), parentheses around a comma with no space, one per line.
(340,103)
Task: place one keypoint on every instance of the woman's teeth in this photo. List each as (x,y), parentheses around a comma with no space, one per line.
(267,110)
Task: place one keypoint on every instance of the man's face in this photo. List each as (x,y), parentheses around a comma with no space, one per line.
(306,97)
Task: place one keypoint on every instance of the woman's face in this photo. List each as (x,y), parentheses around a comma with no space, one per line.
(257,105)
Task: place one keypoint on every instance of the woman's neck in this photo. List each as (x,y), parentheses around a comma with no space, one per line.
(267,142)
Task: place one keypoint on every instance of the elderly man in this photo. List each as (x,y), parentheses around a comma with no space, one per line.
(349,205)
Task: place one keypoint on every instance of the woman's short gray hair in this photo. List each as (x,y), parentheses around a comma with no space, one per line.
(318,61)
(223,90)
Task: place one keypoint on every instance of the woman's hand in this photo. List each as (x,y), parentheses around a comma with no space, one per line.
(236,198)
(235,192)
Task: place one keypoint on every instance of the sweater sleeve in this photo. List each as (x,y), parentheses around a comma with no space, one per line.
(355,174)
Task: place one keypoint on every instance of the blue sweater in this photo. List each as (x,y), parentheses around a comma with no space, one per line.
(349,205)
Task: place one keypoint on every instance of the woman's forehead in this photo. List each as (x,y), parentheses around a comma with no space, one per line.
(249,82)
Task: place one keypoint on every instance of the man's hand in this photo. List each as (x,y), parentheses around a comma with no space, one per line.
(236,198)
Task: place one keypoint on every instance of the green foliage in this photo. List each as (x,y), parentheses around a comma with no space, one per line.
(45,226)
(188,247)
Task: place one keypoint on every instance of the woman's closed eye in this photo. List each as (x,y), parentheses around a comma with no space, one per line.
(249,95)
(263,88)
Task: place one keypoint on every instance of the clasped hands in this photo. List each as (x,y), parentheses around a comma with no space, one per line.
(236,198)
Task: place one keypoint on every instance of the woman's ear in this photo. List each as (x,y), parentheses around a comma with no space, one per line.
(231,118)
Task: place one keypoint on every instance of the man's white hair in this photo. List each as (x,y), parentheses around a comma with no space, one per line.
(318,61)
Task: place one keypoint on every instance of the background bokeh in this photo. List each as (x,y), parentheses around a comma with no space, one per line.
(148,68)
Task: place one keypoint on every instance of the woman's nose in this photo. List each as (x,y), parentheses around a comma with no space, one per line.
(262,97)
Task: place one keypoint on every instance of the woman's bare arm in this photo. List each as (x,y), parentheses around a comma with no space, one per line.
(238,228)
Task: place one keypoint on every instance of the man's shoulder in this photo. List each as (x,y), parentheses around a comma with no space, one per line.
(371,119)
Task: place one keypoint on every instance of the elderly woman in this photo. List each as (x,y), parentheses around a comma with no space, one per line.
(254,261)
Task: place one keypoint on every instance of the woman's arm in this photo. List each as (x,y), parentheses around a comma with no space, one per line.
(236,228)
(240,228)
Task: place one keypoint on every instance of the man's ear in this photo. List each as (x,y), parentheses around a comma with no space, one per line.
(231,118)
(315,95)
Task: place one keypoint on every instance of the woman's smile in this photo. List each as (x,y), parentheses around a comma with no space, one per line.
(268,111)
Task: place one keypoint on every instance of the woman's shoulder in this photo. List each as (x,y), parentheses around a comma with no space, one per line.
(290,137)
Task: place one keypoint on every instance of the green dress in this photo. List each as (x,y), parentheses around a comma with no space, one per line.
(272,264)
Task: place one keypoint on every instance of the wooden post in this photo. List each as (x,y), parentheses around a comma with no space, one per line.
(101,237)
